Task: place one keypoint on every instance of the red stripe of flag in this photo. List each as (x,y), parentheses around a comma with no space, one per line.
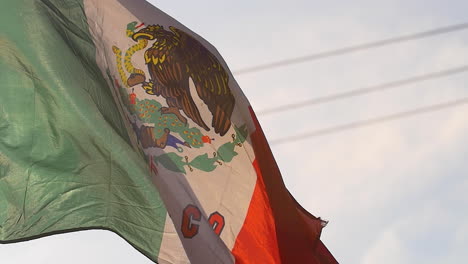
(297,233)
(256,242)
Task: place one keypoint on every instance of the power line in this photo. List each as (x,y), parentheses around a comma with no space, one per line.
(365,90)
(350,49)
(369,122)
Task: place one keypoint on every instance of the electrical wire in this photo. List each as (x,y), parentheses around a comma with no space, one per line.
(369,122)
(365,90)
(351,49)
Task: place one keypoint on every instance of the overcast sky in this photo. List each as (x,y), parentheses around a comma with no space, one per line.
(393,192)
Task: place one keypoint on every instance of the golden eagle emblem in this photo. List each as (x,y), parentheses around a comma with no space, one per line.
(172,60)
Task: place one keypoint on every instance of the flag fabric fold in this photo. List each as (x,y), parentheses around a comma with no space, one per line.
(113,115)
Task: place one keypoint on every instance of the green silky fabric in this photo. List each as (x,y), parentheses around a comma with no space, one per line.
(66,162)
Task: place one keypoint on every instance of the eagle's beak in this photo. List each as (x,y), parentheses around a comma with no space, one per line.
(142,34)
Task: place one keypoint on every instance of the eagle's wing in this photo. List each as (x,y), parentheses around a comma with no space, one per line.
(168,69)
(210,79)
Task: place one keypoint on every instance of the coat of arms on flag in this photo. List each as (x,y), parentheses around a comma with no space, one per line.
(167,117)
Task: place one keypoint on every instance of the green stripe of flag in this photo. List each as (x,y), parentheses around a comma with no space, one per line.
(65,158)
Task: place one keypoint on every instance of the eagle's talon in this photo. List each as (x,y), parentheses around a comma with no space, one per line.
(148,87)
(175,111)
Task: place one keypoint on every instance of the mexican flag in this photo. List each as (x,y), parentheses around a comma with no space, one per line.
(115,116)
